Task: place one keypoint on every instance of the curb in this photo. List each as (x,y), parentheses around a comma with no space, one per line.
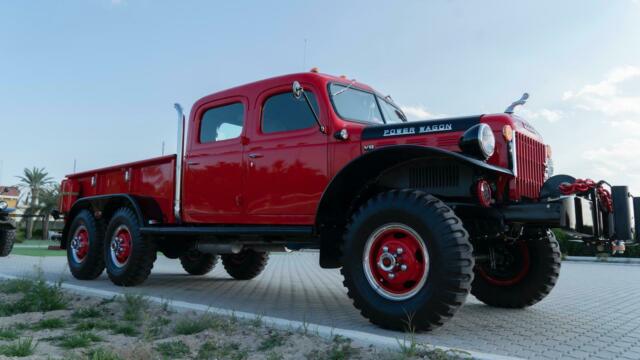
(611,260)
(327,332)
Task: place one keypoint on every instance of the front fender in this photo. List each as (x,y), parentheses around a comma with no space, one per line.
(348,188)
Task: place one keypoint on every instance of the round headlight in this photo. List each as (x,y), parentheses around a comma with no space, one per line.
(478,141)
(3,205)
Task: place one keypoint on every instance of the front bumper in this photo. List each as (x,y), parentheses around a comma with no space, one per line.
(580,216)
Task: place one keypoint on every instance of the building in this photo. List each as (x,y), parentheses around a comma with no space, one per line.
(10,194)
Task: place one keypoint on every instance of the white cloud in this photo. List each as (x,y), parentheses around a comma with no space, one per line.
(420,112)
(416,112)
(617,162)
(548,115)
(605,96)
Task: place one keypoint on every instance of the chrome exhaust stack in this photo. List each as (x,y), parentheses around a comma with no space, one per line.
(179,159)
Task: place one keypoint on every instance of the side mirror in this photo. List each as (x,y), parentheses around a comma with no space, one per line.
(297,90)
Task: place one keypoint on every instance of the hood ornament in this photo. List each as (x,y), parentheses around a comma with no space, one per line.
(521,101)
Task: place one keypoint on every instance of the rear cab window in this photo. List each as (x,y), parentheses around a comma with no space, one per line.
(222,123)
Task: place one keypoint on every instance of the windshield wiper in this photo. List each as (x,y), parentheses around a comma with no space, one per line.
(345,88)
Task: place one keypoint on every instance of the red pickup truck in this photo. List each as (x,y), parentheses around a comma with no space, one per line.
(416,214)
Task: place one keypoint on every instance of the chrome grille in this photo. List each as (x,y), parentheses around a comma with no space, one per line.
(530,155)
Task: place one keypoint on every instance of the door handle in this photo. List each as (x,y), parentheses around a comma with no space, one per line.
(191,163)
(255,156)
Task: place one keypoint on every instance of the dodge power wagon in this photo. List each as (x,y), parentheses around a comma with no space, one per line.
(417,214)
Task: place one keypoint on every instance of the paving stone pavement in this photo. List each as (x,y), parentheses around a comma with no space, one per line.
(593,313)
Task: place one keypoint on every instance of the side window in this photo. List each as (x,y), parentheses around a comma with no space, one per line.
(222,123)
(283,112)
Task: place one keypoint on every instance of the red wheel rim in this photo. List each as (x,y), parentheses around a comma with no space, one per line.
(121,246)
(80,244)
(511,276)
(396,262)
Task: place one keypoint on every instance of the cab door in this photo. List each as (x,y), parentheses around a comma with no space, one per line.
(213,166)
(285,159)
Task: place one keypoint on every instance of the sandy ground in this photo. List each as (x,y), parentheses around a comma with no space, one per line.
(132,328)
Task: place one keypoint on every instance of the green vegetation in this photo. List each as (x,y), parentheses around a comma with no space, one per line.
(231,351)
(86,313)
(208,321)
(134,306)
(38,296)
(102,354)
(79,340)
(173,349)
(579,248)
(341,349)
(39,252)
(20,348)
(95,324)
(53,323)
(273,340)
(9,333)
(125,329)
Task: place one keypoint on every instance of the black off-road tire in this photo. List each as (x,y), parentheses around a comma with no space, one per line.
(143,251)
(246,265)
(544,269)
(450,261)
(197,263)
(7,239)
(93,264)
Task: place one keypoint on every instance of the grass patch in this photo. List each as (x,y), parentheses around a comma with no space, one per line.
(38,296)
(9,333)
(173,349)
(20,348)
(95,324)
(15,286)
(134,306)
(125,329)
(341,349)
(79,340)
(86,313)
(207,321)
(102,354)
(53,323)
(231,351)
(273,340)
(192,326)
(39,252)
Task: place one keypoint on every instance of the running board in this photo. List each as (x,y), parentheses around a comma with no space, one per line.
(230,230)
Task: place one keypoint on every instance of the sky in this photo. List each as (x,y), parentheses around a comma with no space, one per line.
(94,81)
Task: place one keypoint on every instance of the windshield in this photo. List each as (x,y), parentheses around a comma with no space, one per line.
(357,105)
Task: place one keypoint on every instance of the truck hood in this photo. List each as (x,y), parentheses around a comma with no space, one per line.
(423,127)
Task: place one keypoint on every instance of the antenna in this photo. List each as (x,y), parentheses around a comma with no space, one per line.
(304,55)
(74,165)
(162,147)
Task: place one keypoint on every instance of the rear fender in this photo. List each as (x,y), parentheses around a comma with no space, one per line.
(357,181)
(102,207)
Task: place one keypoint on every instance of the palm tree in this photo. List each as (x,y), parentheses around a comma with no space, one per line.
(33,180)
(49,200)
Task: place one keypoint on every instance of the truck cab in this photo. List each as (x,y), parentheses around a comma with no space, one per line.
(416,214)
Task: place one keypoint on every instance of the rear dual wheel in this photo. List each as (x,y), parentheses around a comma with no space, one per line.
(85,253)
(197,263)
(129,256)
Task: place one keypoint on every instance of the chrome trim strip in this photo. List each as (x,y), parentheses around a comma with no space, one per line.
(514,155)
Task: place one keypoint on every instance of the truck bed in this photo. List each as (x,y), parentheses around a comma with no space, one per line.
(154,178)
